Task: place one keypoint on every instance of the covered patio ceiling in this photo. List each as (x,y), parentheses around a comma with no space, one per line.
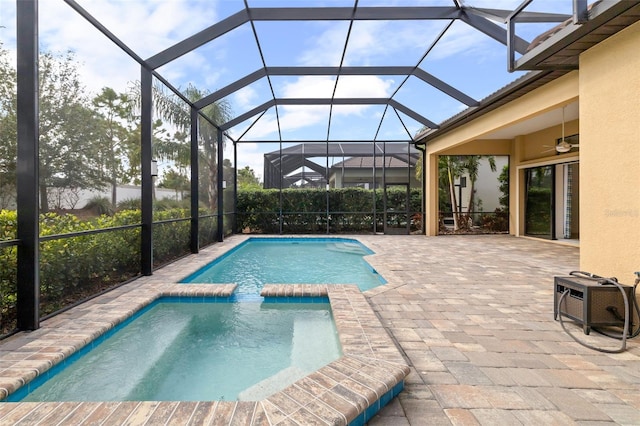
(353,70)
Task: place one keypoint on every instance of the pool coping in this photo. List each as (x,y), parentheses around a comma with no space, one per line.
(349,390)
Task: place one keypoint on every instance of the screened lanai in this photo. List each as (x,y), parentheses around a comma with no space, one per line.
(184,95)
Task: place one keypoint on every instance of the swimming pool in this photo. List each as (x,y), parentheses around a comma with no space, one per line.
(177,351)
(366,377)
(259,261)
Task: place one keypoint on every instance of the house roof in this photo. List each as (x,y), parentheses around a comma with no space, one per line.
(368,163)
(561,46)
(280,164)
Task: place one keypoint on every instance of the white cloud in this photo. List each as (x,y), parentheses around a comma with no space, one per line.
(366,86)
(296,117)
(291,118)
(326,49)
(245,98)
(264,127)
(149,26)
(252,155)
(461,39)
(309,87)
(146,26)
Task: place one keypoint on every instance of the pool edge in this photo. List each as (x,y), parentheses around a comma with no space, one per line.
(340,392)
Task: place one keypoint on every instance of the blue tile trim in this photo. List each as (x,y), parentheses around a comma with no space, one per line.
(196,299)
(284,299)
(373,409)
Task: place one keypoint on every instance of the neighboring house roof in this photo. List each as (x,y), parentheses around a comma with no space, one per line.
(280,164)
(367,163)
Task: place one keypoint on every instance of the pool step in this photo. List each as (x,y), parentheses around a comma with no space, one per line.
(353,248)
(272,384)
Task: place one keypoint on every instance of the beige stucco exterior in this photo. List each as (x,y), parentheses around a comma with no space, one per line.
(610,155)
(606,92)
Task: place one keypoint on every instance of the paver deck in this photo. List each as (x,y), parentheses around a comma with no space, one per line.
(472,317)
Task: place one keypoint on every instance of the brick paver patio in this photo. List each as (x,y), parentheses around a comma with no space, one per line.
(473,318)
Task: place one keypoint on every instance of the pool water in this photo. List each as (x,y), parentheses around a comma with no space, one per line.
(260,261)
(200,352)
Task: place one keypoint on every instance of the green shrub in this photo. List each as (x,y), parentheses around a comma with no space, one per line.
(8,224)
(171,239)
(76,267)
(305,210)
(100,206)
(130,204)
(171,204)
(8,271)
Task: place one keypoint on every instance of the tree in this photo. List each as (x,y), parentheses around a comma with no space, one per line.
(176,112)
(471,166)
(68,129)
(247,179)
(114,145)
(452,168)
(503,179)
(218,112)
(175,180)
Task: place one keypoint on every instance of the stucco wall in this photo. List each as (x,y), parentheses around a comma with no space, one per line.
(610,156)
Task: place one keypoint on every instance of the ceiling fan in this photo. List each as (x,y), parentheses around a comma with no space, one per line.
(564,145)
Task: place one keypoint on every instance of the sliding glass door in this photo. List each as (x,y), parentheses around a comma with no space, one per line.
(552,201)
(540,205)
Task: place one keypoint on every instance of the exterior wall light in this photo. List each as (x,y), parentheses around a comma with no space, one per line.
(154,168)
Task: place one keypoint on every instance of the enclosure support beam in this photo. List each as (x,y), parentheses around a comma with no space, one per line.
(220,188)
(195,184)
(235,188)
(28,277)
(146,131)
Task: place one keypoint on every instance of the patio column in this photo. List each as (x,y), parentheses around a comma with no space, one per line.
(146,132)
(431,194)
(195,185)
(28,271)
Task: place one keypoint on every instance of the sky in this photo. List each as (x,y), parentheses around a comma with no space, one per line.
(463,58)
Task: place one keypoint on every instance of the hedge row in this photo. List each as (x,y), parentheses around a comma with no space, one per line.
(351,210)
